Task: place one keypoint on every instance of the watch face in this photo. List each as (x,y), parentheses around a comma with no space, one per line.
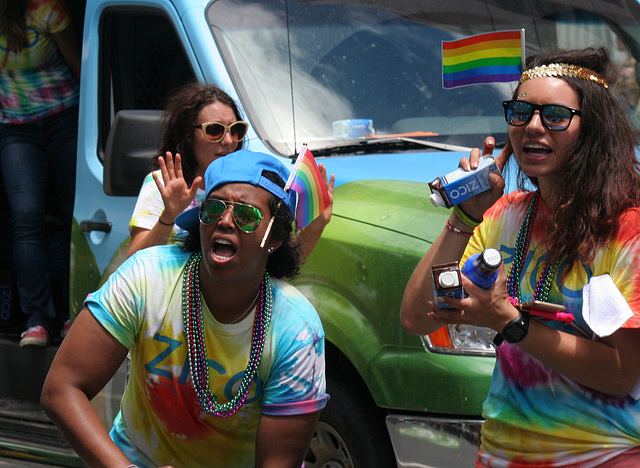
(516,330)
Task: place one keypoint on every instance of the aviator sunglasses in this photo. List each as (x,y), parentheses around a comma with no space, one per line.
(215,131)
(246,217)
(553,116)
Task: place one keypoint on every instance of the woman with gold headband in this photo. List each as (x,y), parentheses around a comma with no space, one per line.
(565,388)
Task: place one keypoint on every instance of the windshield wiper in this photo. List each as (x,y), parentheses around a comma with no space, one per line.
(382,145)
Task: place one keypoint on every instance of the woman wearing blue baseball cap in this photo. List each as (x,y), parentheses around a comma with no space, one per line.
(227,360)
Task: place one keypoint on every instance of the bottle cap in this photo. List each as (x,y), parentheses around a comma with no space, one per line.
(436,199)
(491,257)
(448,279)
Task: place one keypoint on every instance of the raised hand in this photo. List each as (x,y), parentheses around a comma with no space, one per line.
(176,193)
(325,216)
(476,206)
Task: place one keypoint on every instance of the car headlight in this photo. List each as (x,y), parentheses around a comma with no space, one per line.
(461,339)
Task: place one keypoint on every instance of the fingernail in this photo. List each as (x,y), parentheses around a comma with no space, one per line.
(440,299)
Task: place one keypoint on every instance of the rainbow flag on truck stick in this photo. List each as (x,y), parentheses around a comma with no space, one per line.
(307,181)
(484,58)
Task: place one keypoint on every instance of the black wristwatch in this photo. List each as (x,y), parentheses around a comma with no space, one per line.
(514,331)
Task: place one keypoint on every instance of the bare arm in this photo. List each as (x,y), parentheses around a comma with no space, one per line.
(88,357)
(448,247)
(283,441)
(69,49)
(609,365)
(310,235)
(176,196)
(415,308)
(142,238)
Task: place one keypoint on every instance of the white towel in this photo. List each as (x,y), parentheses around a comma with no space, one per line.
(605,310)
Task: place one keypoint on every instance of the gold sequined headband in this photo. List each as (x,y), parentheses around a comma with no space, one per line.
(563,69)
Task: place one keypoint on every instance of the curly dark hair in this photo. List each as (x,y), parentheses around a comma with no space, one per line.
(179,117)
(286,260)
(599,179)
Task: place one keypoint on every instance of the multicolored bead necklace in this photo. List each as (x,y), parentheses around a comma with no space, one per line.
(522,248)
(197,349)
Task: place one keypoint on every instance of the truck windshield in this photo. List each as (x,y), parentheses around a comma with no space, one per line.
(303,68)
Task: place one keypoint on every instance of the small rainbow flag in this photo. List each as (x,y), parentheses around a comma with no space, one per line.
(485,58)
(308,183)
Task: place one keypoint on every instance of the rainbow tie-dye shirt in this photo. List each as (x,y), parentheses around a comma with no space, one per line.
(35,83)
(535,416)
(160,421)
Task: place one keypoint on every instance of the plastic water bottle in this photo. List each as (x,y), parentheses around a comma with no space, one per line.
(482,268)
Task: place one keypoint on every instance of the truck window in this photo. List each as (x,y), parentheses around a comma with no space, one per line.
(330,61)
(141,64)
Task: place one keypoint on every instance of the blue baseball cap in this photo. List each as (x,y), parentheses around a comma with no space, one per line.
(243,166)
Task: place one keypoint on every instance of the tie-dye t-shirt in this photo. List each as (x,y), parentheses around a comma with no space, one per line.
(534,414)
(35,83)
(160,421)
(150,206)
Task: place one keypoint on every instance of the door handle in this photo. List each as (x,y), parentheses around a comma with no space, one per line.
(89,226)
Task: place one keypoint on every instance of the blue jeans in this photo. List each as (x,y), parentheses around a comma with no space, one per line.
(38,165)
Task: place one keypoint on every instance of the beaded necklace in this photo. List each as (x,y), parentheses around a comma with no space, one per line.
(197,349)
(522,248)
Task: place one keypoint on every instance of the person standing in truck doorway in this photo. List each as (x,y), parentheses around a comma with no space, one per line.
(39,76)
(201,123)
(565,306)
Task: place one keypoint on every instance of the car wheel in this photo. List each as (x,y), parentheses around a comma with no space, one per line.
(328,449)
(350,433)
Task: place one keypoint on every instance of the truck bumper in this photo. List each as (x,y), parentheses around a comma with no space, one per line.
(426,442)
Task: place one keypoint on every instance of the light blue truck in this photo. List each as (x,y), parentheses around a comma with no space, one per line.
(301,69)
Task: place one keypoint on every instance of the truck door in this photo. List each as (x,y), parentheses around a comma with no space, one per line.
(134,57)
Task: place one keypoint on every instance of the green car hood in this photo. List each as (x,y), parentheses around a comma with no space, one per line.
(395,205)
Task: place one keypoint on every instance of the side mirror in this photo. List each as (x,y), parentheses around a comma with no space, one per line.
(133,141)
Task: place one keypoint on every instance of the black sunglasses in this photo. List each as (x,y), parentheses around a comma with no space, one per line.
(553,116)
(246,217)
(215,131)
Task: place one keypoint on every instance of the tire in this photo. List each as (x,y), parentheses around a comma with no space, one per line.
(351,432)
